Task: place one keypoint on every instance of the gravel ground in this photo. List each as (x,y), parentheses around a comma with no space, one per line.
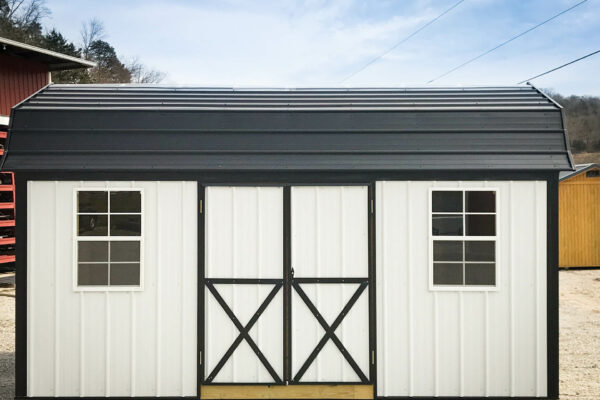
(7,342)
(579,336)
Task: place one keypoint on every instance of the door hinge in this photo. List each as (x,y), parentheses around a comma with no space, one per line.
(200,206)
(200,357)
(372,206)
(373,357)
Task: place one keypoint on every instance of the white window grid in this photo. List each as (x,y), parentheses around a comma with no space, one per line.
(108,238)
(463,238)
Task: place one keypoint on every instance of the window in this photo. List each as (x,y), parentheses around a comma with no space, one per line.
(463,238)
(108,238)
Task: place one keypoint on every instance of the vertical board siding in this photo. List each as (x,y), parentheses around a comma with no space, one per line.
(19,78)
(244,231)
(99,351)
(329,235)
(579,221)
(464,343)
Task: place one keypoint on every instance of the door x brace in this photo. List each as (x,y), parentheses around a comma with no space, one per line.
(244,332)
(330,331)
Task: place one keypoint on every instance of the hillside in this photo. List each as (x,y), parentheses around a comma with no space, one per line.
(582,115)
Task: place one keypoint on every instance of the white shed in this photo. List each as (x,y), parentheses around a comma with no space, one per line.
(306,243)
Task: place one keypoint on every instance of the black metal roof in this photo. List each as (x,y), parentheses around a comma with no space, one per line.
(133,127)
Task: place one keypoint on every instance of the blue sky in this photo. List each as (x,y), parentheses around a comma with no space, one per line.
(318,43)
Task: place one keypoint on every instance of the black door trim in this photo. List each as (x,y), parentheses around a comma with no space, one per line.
(289,284)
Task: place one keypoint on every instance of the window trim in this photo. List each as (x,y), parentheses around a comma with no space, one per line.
(77,239)
(496,239)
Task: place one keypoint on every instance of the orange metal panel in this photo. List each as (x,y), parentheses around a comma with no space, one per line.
(7,240)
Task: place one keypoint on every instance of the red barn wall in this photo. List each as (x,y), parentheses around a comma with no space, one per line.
(19,79)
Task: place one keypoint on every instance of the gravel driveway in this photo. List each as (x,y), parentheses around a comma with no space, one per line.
(579,336)
(7,342)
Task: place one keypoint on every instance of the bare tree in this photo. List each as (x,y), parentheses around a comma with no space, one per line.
(24,13)
(91,31)
(142,74)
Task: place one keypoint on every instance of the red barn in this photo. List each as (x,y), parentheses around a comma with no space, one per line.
(24,70)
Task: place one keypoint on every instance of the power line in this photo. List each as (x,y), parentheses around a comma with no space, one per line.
(507,41)
(562,66)
(400,42)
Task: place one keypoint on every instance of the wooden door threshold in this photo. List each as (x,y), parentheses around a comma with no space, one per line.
(286,391)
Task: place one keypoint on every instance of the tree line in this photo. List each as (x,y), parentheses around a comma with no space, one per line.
(21,20)
(582,115)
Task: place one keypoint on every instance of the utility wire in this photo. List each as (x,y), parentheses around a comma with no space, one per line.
(562,66)
(400,42)
(507,41)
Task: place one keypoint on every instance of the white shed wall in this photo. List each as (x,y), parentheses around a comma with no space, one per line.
(140,343)
(436,343)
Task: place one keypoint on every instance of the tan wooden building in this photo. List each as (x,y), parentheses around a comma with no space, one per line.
(579,217)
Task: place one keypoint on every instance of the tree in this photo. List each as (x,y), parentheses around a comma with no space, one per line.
(55,41)
(142,74)
(91,31)
(109,68)
(21,20)
(582,119)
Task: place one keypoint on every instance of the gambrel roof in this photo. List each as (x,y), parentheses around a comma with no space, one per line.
(151,128)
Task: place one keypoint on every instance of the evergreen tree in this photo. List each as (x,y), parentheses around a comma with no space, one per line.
(55,41)
(109,68)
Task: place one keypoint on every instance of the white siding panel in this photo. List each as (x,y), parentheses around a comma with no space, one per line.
(525,270)
(94,345)
(119,305)
(245,226)
(541,257)
(500,303)
(447,371)
(89,343)
(422,302)
(330,239)
(474,344)
(461,343)
(169,286)
(41,294)
(145,315)
(67,303)
(244,239)
(391,219)
(329,231)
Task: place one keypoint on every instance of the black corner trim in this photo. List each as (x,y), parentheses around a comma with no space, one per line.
(552,327)
(21,287)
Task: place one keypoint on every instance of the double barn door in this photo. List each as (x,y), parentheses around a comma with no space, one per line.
(286,294)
